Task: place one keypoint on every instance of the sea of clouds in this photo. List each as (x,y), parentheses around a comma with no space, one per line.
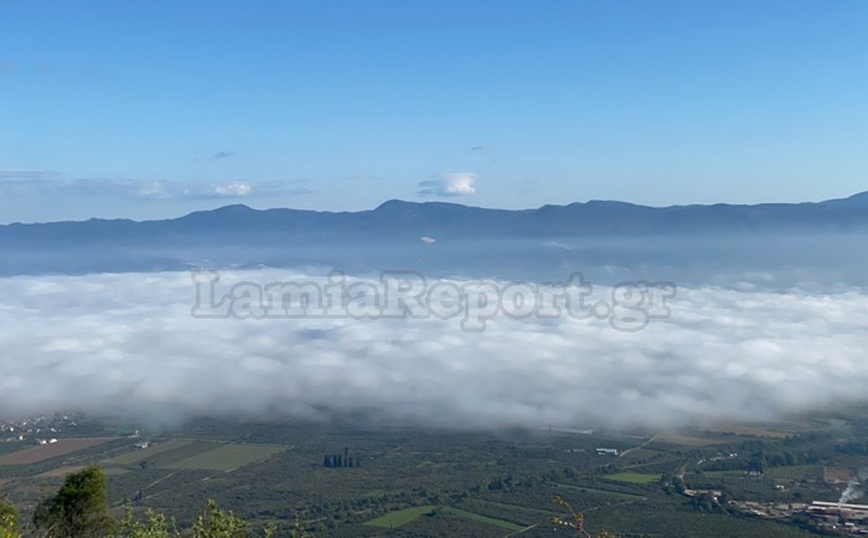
(127,344)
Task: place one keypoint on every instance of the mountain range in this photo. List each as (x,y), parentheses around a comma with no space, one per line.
(449,220)
(448,238)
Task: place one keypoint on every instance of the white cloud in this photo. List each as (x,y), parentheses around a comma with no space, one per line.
(153,189)
(456,184)
(127,343)
(236,188)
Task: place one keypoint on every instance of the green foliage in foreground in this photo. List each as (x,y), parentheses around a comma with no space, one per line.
(212,523)
(79,509)
(8,520)
(155,526)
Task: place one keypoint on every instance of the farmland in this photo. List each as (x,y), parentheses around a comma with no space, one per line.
(60,471)
(597,491)
(406,481)
(635,478)
(167,454)
(228,457)
(41,453)
(137,455)
(195,454)
(400,517)
(472,516)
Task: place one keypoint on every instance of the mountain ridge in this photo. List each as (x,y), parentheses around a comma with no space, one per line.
(857,199)
(239,223)
(458,239)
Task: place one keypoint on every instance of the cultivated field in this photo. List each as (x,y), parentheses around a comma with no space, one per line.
(40,453)
(801,472)
(400,517)
(837,474)
(472,516)
(137,455)
(408,515)
(778,431)
(168,454)
(228,457)
(598,491)
(634,478)
(188,454)
(667,441)
(60,471)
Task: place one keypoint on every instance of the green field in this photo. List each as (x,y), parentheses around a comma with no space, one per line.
(137,455)
(190,449)
(779,431)
(634,478)
(598,491)
(515,507)
(227,457)
(400,517)
(797,472)
(664,442)
(637,454)
(721,474)
(483,519)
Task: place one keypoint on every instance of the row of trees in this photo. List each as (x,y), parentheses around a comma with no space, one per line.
(80,509)
(340,460)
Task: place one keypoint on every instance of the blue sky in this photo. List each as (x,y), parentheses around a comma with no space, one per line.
(153,109)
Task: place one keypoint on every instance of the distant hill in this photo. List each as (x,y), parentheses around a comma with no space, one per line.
(396,218)
(535,243)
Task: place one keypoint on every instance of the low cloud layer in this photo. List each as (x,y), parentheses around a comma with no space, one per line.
(43,184)
(128,344)
(25,175)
